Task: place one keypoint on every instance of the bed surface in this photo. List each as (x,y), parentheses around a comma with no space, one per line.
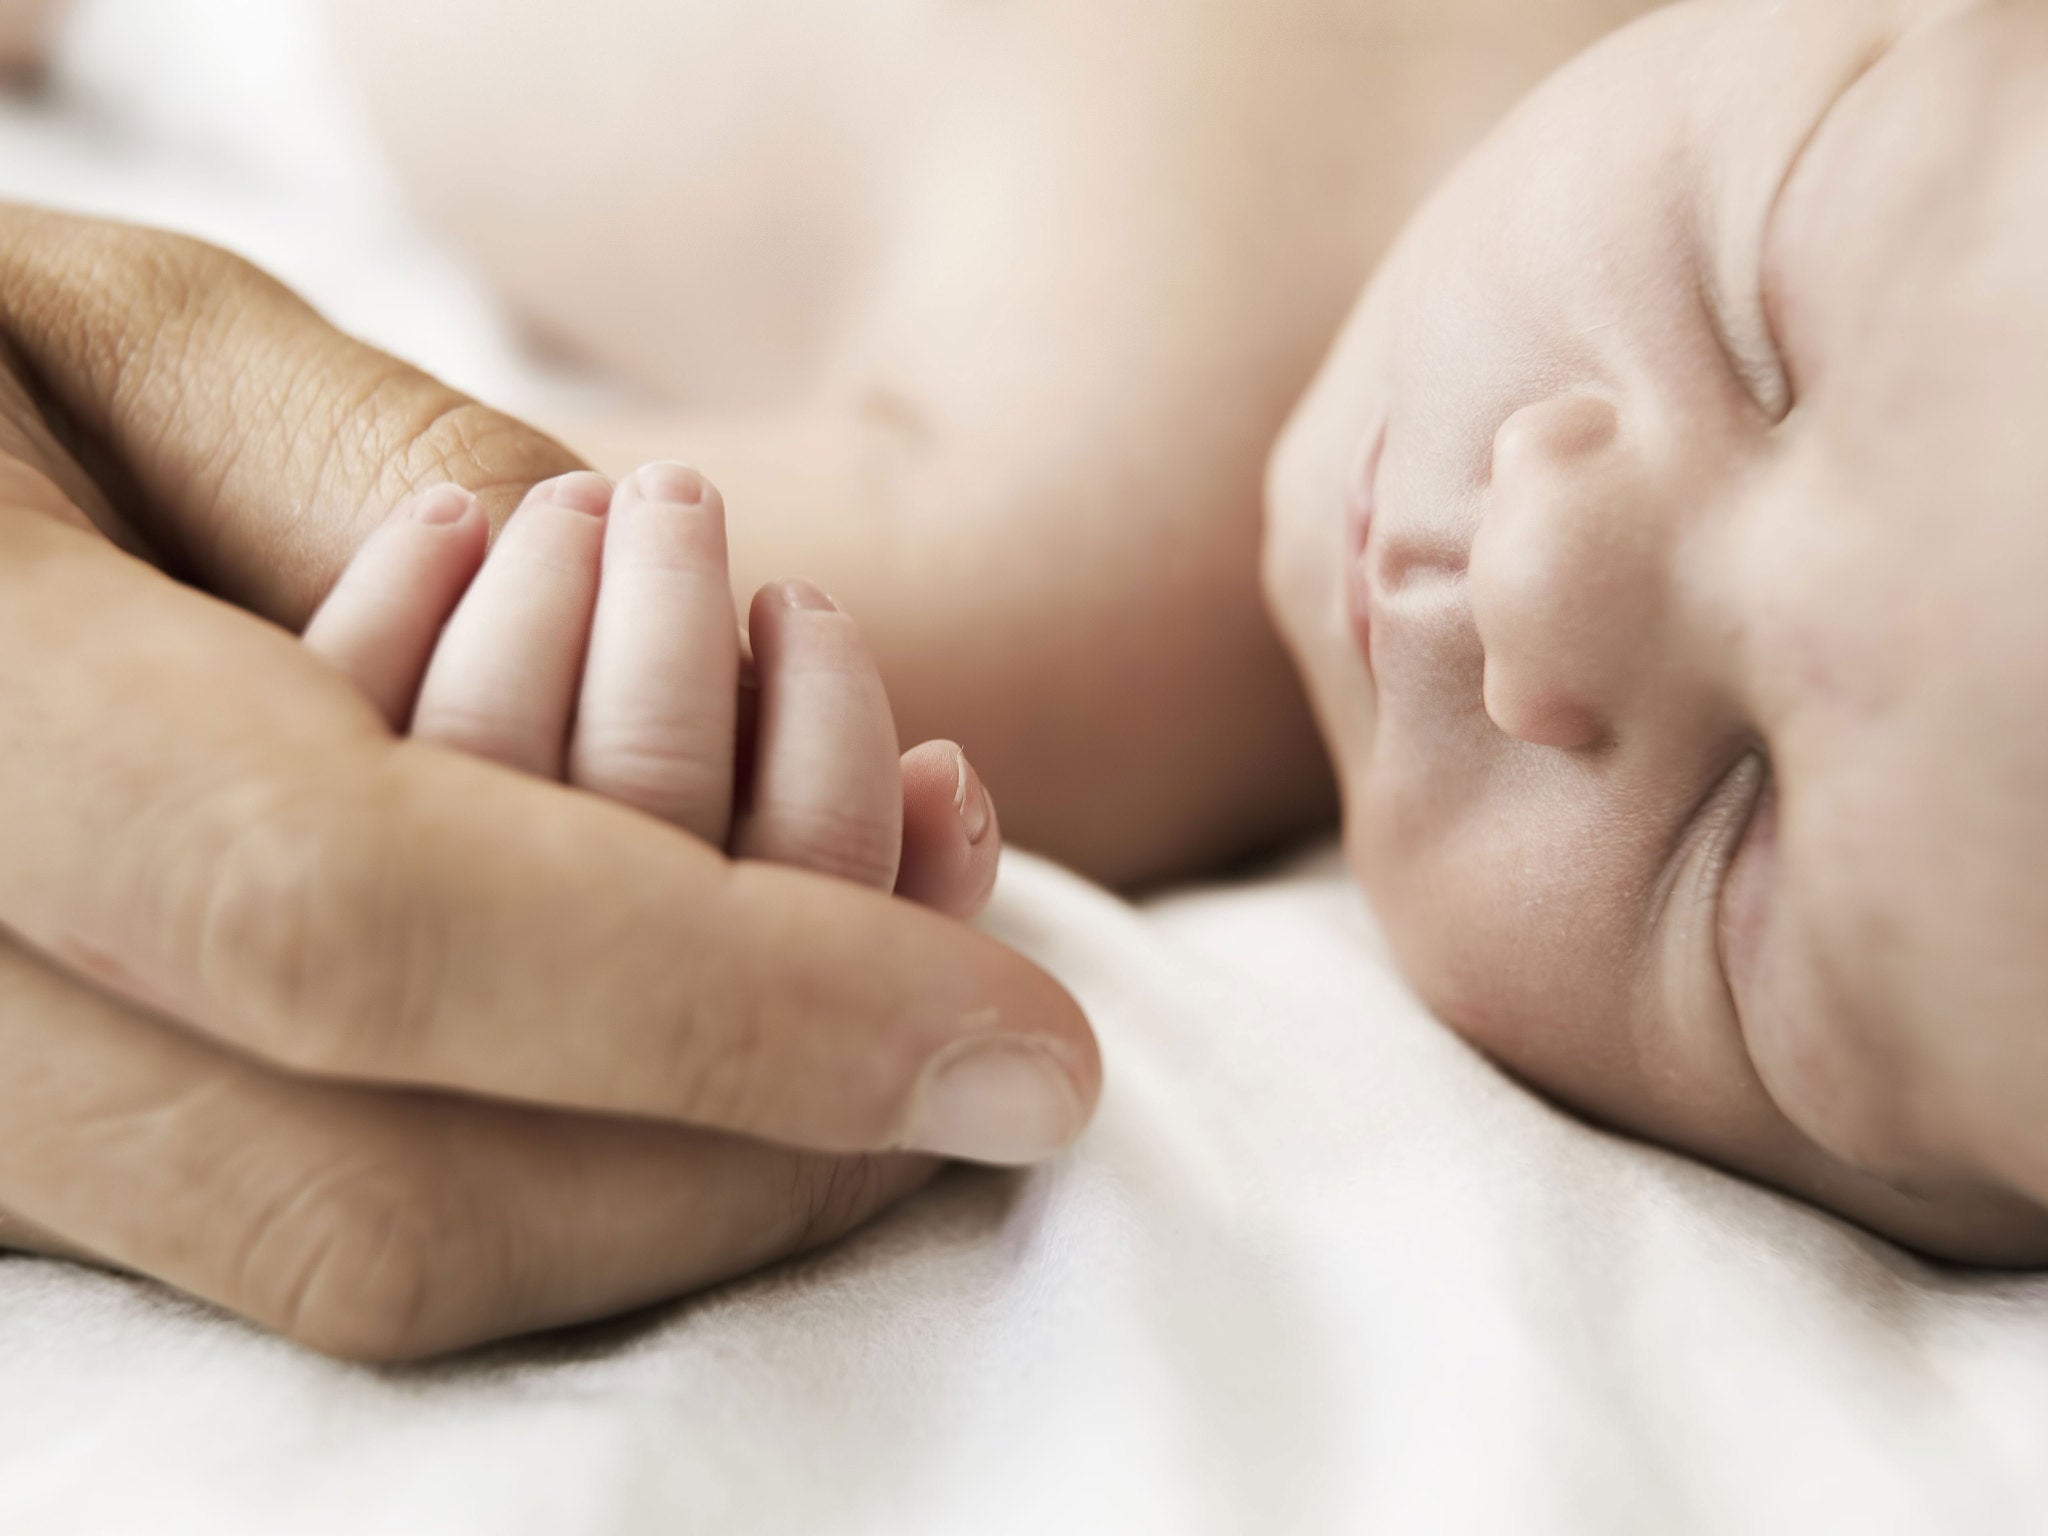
(1316,1268)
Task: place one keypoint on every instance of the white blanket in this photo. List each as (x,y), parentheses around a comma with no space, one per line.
(1316,1268)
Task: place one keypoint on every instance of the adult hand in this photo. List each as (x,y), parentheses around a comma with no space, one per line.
(387,1048)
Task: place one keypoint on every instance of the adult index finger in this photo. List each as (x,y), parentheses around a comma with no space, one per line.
(200,813)
(254,446)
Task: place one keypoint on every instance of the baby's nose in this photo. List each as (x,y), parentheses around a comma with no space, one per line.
(1564,577)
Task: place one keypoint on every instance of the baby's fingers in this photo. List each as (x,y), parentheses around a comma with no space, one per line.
(656,724)
(951,840)
(503,682)
(381,622)
(827,790)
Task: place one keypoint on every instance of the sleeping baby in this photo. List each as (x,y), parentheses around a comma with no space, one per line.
(1660,545)
(1663,544)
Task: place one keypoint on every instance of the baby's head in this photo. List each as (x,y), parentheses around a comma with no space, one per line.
(1664,545)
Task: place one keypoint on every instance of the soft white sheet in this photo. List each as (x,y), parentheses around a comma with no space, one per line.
(1316,1268)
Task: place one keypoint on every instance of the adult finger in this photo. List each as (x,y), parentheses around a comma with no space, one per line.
(203,814)
(827,791)
(952,841)
(381,622)
(368,1224)
(657,720)
(251,445)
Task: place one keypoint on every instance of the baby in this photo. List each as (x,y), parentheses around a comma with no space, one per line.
(1660,546)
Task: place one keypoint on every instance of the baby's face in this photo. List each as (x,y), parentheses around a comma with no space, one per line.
(1664,545)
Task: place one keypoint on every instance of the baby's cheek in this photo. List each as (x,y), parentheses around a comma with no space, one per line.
(1441,941)
(1816,1013)
(1517,939)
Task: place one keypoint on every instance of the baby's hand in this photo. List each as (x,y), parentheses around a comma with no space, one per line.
(598,644)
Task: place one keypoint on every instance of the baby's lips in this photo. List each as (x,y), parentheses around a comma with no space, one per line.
(1362,488)
(1362,499)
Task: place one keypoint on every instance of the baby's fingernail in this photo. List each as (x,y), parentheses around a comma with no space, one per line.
(970,799)
(579,491)
(669,485)
(806,598)
(995,1101)
(442,505)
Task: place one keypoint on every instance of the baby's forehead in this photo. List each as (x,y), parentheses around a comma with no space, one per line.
(1665,201)
(1911,224)
(1633,193)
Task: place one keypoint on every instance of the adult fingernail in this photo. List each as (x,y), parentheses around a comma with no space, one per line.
(442,505)
(669,485)
(970,799)
(1004,1102)
(579,491)
(806,598)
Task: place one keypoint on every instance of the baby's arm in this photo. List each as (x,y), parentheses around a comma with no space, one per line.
(599,644)
(1089,628)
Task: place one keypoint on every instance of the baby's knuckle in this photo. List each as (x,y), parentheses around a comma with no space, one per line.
(488,729)
(663,772)
(844,844)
